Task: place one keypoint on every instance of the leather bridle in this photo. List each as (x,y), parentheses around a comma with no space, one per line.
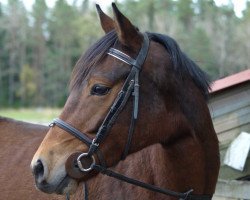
(129,88)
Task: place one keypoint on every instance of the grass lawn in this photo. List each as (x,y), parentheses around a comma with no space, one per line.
(35,115)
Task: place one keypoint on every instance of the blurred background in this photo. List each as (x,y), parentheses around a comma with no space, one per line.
(40,42)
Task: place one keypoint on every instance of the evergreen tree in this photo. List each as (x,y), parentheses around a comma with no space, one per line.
(16,25)
(38,49)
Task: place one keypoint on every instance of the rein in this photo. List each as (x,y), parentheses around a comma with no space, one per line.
(129,88)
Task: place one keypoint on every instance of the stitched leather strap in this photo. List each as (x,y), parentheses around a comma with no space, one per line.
(131,84)
(73,131)
(154,188)
(79,135)
(199,197)
(86,191)
(182,196)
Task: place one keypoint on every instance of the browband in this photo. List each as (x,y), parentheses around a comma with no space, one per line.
(138,62)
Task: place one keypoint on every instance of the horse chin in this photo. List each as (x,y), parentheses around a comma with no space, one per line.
(69,187)
(65,185)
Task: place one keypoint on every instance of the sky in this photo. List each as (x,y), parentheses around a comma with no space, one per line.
(239,4)
(28,3)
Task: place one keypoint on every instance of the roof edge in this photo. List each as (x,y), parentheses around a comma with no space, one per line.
(230,81)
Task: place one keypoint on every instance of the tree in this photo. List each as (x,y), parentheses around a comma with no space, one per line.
(28,88)
(3,58)
(38,48)
(16,25)
(243,35)
(185,13)
(199,43)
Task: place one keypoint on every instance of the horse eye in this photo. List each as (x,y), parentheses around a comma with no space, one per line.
(99,90)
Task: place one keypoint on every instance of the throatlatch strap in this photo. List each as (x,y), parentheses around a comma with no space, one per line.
(182,196)
(154,188)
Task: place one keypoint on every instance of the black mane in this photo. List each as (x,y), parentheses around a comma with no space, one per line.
(183,65)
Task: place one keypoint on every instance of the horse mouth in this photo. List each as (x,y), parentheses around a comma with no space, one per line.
(58,189)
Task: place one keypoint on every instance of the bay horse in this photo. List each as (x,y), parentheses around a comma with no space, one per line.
(18,142)
(24,138)
(107,118)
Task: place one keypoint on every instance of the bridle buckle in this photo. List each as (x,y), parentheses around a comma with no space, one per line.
(95,143)
(79,163)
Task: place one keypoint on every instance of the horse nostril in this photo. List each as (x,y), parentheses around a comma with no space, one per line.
(38,169)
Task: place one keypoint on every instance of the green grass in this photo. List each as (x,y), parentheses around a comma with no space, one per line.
(36,115)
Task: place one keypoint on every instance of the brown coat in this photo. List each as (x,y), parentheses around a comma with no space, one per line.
(18,143)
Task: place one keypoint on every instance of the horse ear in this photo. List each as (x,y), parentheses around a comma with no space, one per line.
(107,23)
(127,33)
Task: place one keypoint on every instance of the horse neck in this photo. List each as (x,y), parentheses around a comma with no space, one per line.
(18,142)
(17,128)
(165,166)
(137,166)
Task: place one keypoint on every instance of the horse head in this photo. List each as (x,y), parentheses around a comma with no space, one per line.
(128,91)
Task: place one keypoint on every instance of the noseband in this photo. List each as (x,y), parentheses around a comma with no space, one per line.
(129,88)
